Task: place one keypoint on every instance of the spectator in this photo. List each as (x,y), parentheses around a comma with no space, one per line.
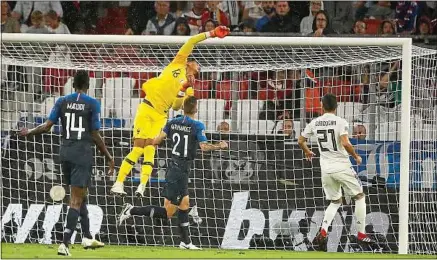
(194,16)
(138,15)
(163,23)
(359,132)
(37,20)
(54,25)
(253,9)
(306,25)
(213,12)
(9,24)
(232,10)
(386,28)
(406,16)
(381,11)
(359,27)
(360,10)
(287,129)
(23,10)
(283,21)
(181,27)
(341,14)
(209,25)
(80,16)
(269,12)
(280,87)
(424,26)
(223,127)
(389,93)
(247,26)
(321,25)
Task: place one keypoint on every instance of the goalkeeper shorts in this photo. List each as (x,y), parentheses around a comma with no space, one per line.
(148,123)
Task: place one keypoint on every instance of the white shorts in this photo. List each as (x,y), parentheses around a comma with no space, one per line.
(347,179)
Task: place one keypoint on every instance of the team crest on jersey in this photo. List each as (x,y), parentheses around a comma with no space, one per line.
(176,73)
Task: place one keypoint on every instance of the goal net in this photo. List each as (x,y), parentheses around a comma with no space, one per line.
(255,93)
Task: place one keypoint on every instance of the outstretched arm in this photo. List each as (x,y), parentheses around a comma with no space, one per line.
(43,128)
(187,48)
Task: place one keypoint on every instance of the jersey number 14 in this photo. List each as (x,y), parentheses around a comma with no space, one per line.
(71,125)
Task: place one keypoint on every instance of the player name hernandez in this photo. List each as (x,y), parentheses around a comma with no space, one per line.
(181,128)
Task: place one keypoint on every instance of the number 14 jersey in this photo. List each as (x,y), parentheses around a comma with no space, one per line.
(79,114)
(328,129)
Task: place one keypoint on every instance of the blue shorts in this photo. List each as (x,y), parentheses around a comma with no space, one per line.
(176,187)
(77,164)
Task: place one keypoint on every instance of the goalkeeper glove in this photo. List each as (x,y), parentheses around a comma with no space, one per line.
(190,92)
(219,31)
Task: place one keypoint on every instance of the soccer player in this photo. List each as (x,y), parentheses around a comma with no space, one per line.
(186,135)
(163,92)
(79,114)
(337,171)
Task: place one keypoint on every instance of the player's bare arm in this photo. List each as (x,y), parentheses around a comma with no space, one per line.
(302,141)
(98,141)
(205,146)
(344,140)
(41,129)
(161,137)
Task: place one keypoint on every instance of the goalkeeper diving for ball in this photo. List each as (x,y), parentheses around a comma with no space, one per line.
(186,135)
(163,92)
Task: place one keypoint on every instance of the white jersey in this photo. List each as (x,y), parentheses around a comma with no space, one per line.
(328,129)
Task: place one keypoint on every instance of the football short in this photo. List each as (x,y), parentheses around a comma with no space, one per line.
(77,163)
(148,122)
(176,187)
(347,179)
(76,175)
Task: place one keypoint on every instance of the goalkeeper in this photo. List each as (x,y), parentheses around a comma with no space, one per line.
(163,92)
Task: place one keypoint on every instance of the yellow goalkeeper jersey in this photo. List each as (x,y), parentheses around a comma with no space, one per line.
(162,91)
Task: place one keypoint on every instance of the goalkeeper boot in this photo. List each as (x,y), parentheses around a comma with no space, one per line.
(118,189)
(91,243)
(125,213)
(140,190)
(63,250)
(190,246)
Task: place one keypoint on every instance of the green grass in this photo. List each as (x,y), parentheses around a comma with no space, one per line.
(15,251)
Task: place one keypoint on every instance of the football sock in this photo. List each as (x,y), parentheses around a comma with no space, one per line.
(85,221)
(184,225)
(128,163)
(149,211)
(72,217)
(147,168)
(360,214)
(329,215)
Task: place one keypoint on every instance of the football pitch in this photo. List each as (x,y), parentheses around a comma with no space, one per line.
(17,251)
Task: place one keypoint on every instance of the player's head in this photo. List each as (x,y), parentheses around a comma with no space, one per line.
(190,105)
(329,102)
(81,80)
(193,68)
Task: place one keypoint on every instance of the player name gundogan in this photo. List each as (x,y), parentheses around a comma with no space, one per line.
(326,123)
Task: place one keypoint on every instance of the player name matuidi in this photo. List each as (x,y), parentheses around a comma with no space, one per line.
(181,128)
(76,106)
(326,123)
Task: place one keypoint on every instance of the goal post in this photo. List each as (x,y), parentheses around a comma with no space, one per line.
(263,178)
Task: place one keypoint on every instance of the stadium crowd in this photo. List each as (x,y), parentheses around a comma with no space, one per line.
(309,18)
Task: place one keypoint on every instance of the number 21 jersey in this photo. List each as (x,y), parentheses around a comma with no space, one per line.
(328,129)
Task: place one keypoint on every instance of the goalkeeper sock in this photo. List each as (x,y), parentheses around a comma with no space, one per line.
(150,211)
(85,221)
(72,217)
(147,168)
(329,216)
(360,214)
(184,224)
(128,163)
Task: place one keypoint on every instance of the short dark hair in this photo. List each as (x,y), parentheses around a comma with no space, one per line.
(81,80)
(190,105)
(329,102)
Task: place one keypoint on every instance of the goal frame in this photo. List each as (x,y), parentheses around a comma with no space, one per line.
(405,43)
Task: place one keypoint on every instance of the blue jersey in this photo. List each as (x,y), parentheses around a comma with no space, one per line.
(79,114)
(185,134)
